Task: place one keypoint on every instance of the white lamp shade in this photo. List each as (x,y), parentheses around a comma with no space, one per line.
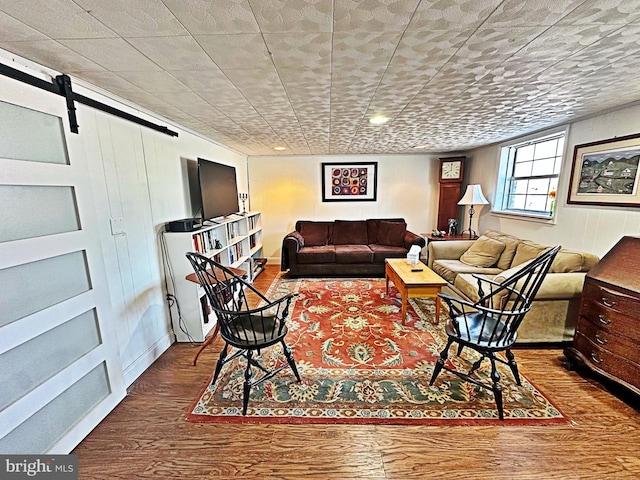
(473,196)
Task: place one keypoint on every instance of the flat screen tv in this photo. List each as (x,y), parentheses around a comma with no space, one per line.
(218,189)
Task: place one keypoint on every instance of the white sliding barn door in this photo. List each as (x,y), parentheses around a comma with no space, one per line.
(60,372)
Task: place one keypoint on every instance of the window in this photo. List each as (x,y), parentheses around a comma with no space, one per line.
(529,172)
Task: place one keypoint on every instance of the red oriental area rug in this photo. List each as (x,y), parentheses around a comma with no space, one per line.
(360,364)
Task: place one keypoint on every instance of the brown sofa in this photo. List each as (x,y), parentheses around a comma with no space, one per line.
(345,247)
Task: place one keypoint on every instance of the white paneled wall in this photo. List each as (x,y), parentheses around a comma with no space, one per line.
(582,227)
(139,178)
(130,247)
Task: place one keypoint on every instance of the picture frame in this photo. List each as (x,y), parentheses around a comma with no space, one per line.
(350,182)
(606,173)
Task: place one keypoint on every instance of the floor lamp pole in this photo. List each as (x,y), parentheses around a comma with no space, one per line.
(471,212)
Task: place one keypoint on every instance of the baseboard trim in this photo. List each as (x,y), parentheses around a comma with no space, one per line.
(144,361)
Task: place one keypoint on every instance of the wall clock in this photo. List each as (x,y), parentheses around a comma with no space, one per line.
(450,177)
(451,169)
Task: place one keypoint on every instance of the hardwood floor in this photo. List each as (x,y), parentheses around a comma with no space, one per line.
(146,436)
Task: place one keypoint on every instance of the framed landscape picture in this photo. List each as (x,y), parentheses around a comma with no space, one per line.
(606,172)
(349,182)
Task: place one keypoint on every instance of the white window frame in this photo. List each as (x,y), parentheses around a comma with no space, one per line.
(505,170)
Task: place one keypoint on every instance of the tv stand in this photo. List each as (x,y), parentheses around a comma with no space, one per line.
(235,242)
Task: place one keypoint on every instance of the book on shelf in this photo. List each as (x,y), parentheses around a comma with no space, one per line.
(210,239)
(197,244)
(233,229)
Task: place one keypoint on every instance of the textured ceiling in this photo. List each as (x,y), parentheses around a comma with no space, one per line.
(308,74)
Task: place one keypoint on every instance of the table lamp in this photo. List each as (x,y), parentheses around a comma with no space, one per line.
(473,196)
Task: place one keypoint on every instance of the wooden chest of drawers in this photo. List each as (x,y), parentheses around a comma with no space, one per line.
(607,338)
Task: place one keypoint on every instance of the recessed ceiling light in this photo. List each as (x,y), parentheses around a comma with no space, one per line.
(421,146)
(378,119)
(279,149)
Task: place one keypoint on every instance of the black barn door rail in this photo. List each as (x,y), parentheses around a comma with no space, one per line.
(62,87)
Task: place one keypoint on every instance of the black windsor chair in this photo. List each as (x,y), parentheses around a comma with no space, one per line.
(248,330)
(490,325)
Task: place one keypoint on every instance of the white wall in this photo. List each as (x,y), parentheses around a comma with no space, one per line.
(288,188)
(141,177)
(583,227)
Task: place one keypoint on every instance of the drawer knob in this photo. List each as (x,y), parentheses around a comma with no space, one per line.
(601,340)
(608,302)
(596,357)
(603,320)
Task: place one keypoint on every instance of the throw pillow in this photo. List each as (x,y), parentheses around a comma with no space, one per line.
(567,261)
(484,252)
(527,250)
(391,233)
(511,242)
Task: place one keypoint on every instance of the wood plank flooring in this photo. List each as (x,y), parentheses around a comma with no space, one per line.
(146,436)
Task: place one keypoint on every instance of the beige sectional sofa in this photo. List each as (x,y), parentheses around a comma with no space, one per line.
(554,312)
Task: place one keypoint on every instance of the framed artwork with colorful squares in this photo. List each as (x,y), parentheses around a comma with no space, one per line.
(349,182)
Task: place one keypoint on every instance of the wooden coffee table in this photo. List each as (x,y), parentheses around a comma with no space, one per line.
(425,283)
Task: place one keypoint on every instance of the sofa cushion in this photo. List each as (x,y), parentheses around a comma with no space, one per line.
(561,286)
(449,269)
(374,223)
(380,252)
(527,250)
(350,232)
(391,233)
(568,261)
(510,272)
(314,233)
(484,252)
(353,254)
(318,254)
(511,244)
(558,288)
(467,284)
